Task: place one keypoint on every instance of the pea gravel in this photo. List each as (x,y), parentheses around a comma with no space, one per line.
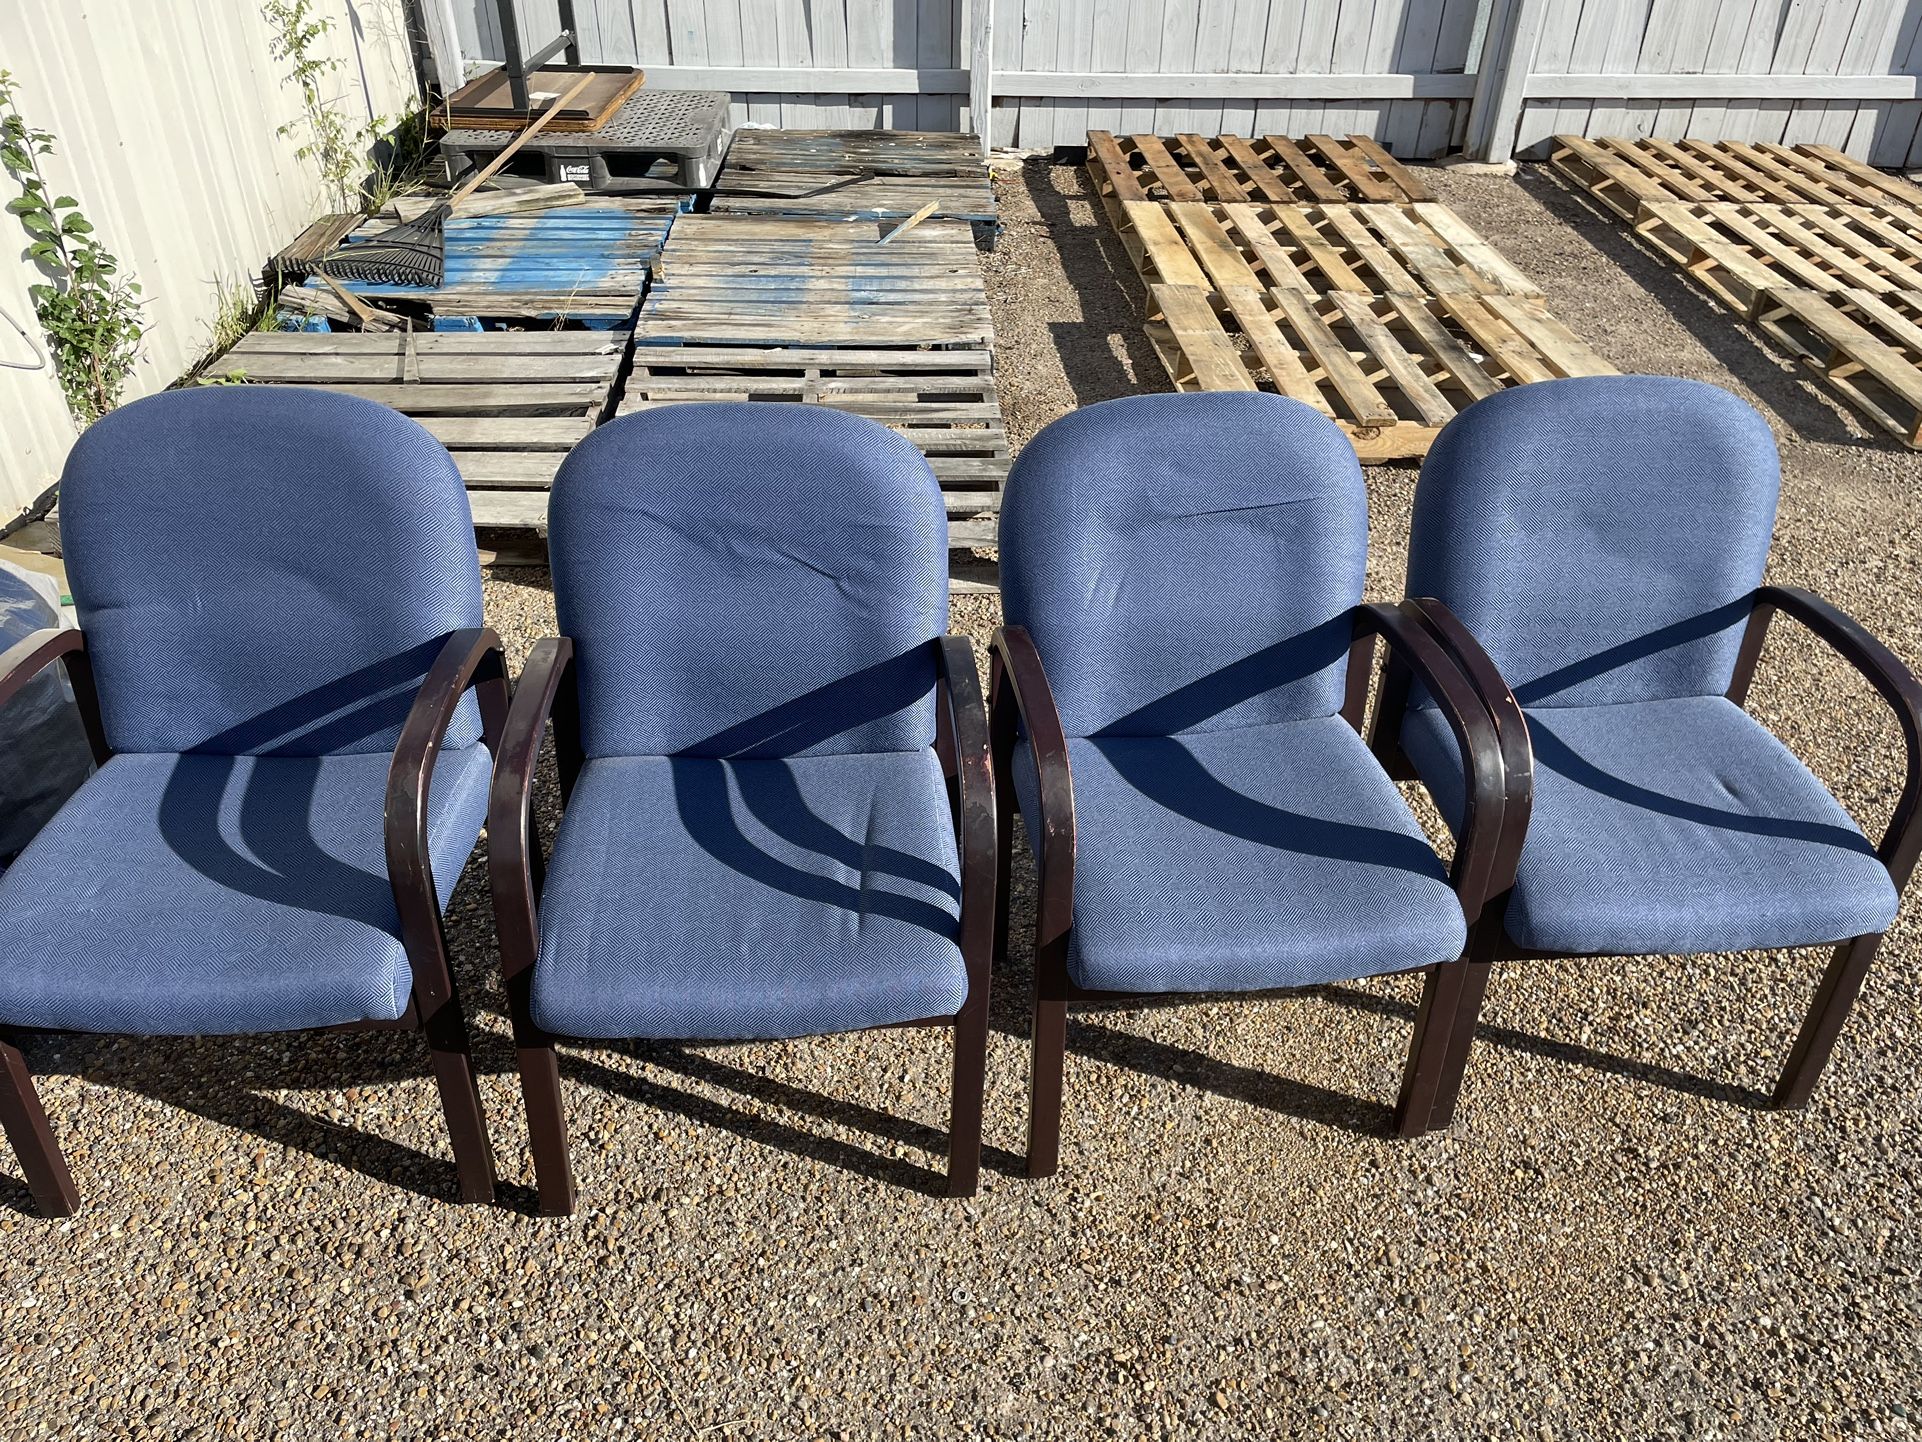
(1616,1240)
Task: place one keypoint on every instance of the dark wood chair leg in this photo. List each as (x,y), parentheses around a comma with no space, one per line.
(1428,1048)
(1461,1038)
(547,1128)
(25,1123)
(1841,983)
(970,1082)
(1044,1086)
(460,1098)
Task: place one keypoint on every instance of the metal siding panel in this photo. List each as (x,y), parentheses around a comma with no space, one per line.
(167,137)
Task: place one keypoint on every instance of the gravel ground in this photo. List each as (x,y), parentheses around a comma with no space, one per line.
(1615,1240)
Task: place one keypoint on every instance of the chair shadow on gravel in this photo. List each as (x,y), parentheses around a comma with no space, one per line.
(227,1088)
(766,1131)
(1794,395)
(1098,271)
(1573,1053)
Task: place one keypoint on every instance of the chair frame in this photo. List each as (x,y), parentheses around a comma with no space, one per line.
(468,659)
(1022,702)
(549,690)
(1901,842)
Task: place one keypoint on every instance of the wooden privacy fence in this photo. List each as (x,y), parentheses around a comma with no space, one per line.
(1422,77)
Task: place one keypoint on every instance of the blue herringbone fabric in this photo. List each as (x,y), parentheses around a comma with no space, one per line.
(761,843)
(750,579)
(1247,859)
(1188,566)
(695,897)
(265,570)
(200,894)
(1186,562)
(1600,537)
(1678,825)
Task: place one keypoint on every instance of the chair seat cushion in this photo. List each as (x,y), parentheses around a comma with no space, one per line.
(710,898)
(199,894)
(1672,826)
(1244,860)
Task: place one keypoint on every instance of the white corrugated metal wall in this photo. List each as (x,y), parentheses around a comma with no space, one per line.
(166,113)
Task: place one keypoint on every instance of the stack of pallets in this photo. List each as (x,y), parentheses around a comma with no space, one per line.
(1817,250)
(1325,270)
(751,307)
(857,175)
(587,263)
(508,404)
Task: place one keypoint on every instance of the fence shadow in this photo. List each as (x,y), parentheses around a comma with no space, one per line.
(1098,271)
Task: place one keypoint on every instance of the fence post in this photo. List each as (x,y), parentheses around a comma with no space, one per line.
(981,69)
(1508,55)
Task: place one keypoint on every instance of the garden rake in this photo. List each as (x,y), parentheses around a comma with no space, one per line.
(412,253)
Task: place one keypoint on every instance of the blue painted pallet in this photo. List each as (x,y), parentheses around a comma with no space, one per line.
(581,262)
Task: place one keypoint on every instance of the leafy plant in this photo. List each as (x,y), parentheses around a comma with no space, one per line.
(90,313)
(334,146)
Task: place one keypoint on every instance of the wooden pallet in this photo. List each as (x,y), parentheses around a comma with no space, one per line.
(855,174)
(1738,251)
(1391,370)
(944,401)
(1866,345)
(1318,169)
(508,404)
(1625,175)
(744,280)
(577,262)
(487,101)
(1415,249)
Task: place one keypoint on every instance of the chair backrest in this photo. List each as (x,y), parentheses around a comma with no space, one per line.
(750,579)
(1599,536)
(265,570)
(1186,562)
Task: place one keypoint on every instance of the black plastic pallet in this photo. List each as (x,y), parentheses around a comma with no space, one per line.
(659,141)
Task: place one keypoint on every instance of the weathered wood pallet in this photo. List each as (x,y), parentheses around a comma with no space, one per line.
(854,174)
(508,404)
(944,401)
(1422,248)
(1738,251)
(782,281)
(578,262)
(1866,346)
(1314,170)
(1626,175)
(1391,369)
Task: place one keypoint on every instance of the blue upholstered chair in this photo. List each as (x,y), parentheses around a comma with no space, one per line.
(280,609)
(1600,543)
(1176,702)
(777,814)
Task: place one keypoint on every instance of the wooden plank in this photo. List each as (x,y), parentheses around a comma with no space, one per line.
(1114,166)
(1354,170)
(1565,351)
(1455,358)
(1303,171)
(1201,154)
(1272,351)
(1895,189)
(1396,363)
(1358,396)
(1265,182)
(1209,360)
(1169,260)
(1403,178)
(1165,169)
(1252,234)
(1476,253)
(1218,255)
